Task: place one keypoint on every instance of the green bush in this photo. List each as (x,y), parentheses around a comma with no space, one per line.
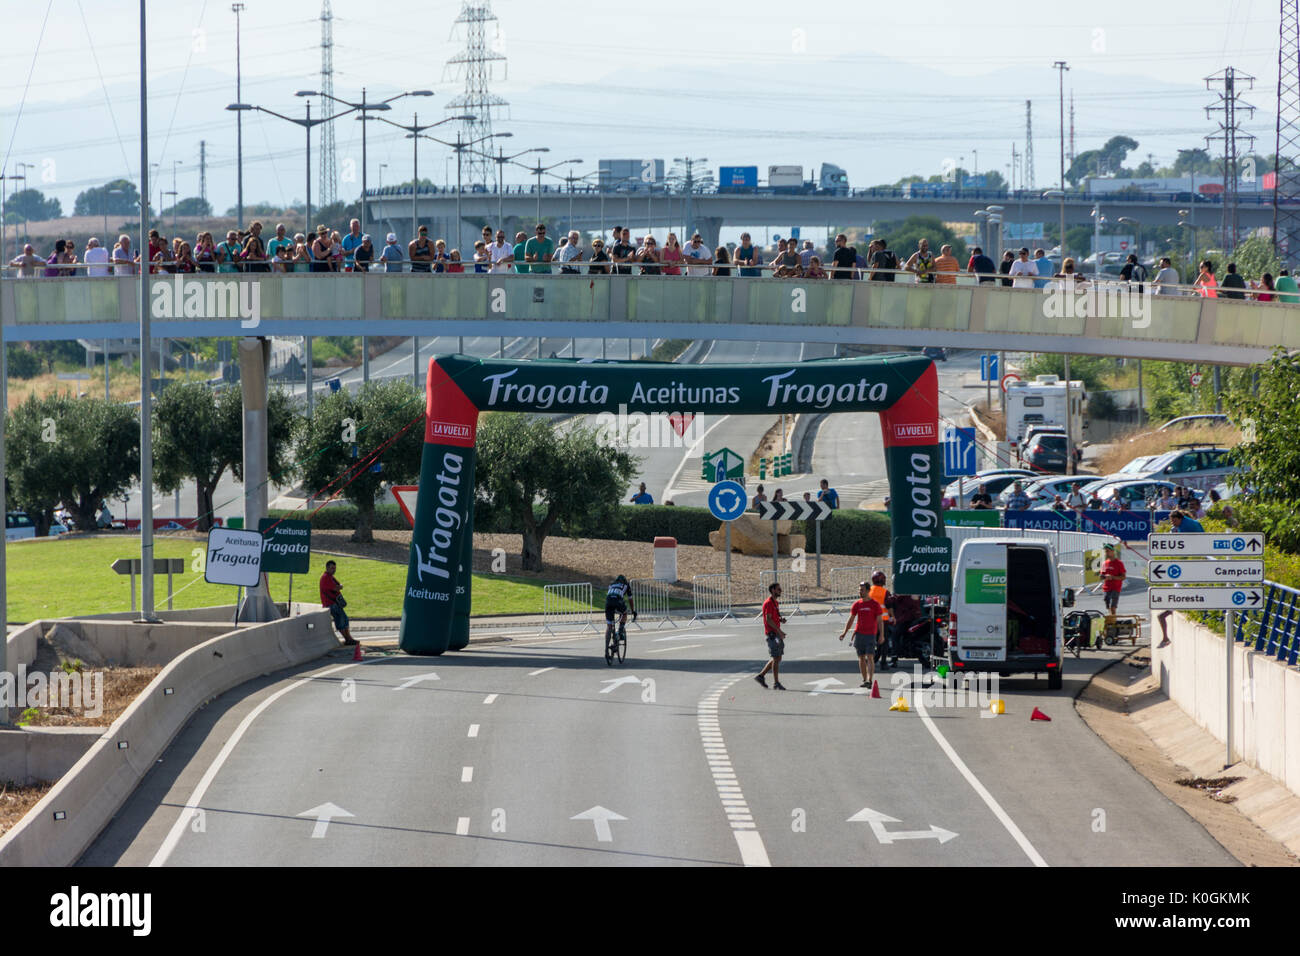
(852,532)
(643,522)
(23,363)
(344,518)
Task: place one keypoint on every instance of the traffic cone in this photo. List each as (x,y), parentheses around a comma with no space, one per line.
(875,690)
(357,654)
(900,704)
(1039,715)
(997,706)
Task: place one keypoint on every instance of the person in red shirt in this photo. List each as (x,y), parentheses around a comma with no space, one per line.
(869,632)
(1113,573)
(331,596)
(772,621)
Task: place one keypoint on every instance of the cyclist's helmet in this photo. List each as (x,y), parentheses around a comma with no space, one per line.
(878,578)
(620,580)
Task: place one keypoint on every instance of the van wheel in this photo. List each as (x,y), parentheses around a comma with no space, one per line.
(1054,680)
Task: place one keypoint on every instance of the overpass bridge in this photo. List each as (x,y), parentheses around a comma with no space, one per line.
(595,209)
(899,314)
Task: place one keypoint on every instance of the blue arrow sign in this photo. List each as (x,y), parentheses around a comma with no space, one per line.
(959,452)
(989,367)
(727,500)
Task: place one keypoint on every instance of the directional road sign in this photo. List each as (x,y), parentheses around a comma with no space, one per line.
(959,452)
(1246,544)
(1246,571)
(722,464)
(794,510)
(989,367)
(727,500)
(1205,599)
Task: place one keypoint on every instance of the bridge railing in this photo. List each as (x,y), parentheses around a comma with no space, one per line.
(1274,630)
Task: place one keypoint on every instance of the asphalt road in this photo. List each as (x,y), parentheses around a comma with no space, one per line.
(534,752)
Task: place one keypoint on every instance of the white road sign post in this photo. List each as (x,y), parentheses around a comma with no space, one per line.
(1208,572)
(234,557)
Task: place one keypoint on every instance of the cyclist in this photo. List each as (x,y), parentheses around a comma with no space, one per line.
(618,599)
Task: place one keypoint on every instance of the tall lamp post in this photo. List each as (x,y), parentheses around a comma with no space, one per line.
(537,171)
(1129,221)
(1059,194)
(460,146)
(501,159)
(4,180)
(413,131)
(237,9)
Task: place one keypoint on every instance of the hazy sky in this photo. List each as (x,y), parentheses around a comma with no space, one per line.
(880,89)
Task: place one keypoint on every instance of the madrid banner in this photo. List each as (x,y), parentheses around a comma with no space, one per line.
(902,388)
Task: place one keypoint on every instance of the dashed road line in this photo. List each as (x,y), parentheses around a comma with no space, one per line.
(466,774)
(675,647)
(462,826)
(748,839)
(473,730)
(541,671)
(489,698)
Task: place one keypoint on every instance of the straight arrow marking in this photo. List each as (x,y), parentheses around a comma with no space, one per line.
(323,814)
(618,681)
(601,818)
(412,681)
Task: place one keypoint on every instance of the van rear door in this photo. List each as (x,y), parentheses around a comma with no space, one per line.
(982,602)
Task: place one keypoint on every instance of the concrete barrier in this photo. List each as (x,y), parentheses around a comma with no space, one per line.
(1266,696)
(100,782)
(32,754)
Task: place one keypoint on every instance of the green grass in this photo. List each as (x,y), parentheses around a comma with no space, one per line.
(61,578)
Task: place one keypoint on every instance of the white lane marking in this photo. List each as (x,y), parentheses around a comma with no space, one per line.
(412,681)
(542,671)
(741,821)
(466,774)
(978,787)
(462,826)
(473,730)
(489,698)
(675,647)
(183,820)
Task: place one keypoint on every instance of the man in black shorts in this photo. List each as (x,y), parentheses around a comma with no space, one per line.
(618,599)
(845,258)
(772,621)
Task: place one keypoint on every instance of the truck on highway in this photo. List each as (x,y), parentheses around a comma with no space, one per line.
(784,180)
(1044,402)
(1005,614)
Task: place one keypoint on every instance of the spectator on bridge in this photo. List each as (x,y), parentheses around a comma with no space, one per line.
(185,260)
(28,262)
(123,258)
(1287,287)
(420,251)
(697,256)
(1045,268)
(205,252)
(815,270)
(1067,280)
(982,266)
(946,266)
(672,255)
(1021,270)
(487,238)
(721,256)
(786,264)
(571,252)
(1267,289)
(806,255)
(482,261)
(350,242)
(96,258)
(1233,280)
(521,243)
(255,250)
(828,495)
(228,253)
(844,259)
(501,253)
(539,251)
(1134,271)
(320,250)
(364,254)
(1004,267)
(1059,506)
(391,256)
(440,257)
(280,245)
(598,255)
(1166,279)
(648,256)
(454,264)
(1206,285)
(921,262)
(1018,500)
(748,255)
(883,262)
(642,497)
(623,252)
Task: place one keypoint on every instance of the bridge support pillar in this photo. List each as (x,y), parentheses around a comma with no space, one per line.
(709,228)
(254,357)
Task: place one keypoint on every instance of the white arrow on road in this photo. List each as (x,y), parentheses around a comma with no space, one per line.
(826,682)
(883,835)
(616,682)
(411,682)
(601,817)
(323,814)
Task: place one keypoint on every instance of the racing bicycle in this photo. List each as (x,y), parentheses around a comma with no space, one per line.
(616,640)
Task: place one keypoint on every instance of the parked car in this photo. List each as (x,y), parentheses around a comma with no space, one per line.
(1043,491)
(1138,465)
(959,493)
(1135,492)
(1045,452)
(1036,429)
(18,526)
(936,352)
(1193,466)
(1184,422)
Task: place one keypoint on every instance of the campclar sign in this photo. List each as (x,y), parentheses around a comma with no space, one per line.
(902,388)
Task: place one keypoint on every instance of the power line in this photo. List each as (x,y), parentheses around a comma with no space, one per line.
(329,173)
(1229,102)
(475,64)
(1286,187)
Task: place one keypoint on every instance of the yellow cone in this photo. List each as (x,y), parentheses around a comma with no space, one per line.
(900,704)
(997,707)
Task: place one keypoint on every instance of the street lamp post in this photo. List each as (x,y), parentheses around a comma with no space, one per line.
(413,131)
(1129,221)
(501,159)
(537,171)
(460,146)
(1053,194)
(4,179)
(237,9)
(1061,70)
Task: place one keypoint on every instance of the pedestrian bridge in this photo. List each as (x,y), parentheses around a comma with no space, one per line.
(900,314)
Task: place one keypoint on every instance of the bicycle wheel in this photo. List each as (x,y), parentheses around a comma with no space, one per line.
(622,644)
(610,644)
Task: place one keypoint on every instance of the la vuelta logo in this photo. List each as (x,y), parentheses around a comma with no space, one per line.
(912,432)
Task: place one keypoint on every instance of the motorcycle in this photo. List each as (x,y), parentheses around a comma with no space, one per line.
(922,637)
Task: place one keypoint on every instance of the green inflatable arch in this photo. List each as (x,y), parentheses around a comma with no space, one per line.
(902,388)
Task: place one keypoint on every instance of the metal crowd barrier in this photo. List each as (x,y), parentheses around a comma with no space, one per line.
(1275,630)
(789,581)
(567,605)
(652,603)
(712,595)
(844,585)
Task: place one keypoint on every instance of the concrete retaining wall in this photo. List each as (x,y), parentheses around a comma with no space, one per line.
(100,782)
(1266,696)
(43,753)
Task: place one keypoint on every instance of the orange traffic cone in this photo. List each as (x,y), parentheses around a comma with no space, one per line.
(875,690)
(1039,715)
(357,653)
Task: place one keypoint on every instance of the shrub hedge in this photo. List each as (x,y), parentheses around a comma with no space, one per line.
(852,532)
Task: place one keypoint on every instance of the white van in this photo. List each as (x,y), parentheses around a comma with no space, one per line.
(1005,613)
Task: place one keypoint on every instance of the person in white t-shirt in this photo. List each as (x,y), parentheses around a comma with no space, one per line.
(1166,279)
(571,251)
(96,258)
(502,254)
(123,258)
(1021,269)
(698,257)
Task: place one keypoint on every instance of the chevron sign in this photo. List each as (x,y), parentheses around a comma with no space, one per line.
(794,510)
